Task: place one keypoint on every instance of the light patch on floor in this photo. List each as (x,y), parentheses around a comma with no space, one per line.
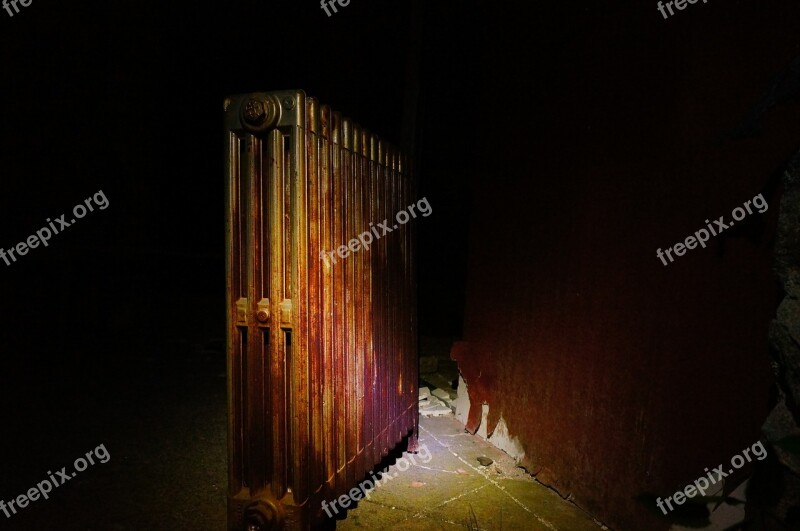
(453,491)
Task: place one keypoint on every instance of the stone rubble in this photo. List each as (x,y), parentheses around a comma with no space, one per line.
(431,406)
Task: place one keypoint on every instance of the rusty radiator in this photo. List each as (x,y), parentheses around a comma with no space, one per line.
(322,361)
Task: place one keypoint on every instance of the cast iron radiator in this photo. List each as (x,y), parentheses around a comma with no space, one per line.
(322,360)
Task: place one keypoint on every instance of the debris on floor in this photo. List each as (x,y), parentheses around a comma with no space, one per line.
(424,394)
(431,406)
(485,461)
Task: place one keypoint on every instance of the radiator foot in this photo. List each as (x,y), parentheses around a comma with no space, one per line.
(413,443)
(263,515)
(255,514)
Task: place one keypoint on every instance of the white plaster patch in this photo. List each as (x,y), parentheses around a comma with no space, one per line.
(462,401)
(503,440)
(500,438)
(484,422)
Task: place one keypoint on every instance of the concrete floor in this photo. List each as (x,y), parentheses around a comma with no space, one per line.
(163,424)
(452,490)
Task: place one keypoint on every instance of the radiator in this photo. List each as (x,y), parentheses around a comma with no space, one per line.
(321,350)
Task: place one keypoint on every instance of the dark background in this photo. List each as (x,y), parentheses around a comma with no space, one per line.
(128,100)
(573,139)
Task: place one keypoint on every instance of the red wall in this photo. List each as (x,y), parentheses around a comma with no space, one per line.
(600,142)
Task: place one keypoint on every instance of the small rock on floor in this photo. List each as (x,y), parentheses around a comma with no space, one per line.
(424,393)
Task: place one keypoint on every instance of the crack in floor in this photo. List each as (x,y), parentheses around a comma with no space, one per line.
(490,480)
